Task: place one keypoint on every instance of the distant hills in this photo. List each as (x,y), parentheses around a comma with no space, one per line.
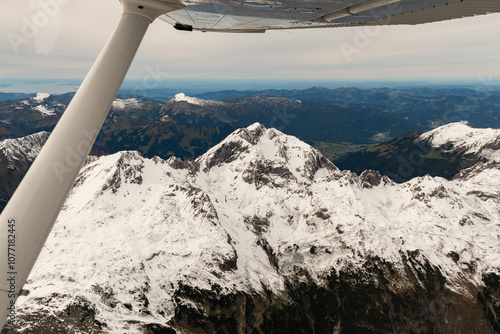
(13,96)
(336,121)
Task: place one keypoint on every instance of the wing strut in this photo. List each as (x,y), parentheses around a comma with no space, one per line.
(29,216)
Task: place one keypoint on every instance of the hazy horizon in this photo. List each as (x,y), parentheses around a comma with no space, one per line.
(62,86)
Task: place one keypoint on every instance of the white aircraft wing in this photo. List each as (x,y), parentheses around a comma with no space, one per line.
(262,15)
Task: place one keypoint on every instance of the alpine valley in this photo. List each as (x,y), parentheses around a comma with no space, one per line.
(263,234)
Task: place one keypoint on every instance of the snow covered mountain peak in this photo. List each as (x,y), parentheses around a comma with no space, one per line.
(181,97)
(40,97)
(256,150)
(463,137)
(43,103)
(260,219)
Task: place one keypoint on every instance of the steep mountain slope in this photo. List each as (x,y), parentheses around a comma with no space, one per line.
(444,151)
(262,234)
(16,156)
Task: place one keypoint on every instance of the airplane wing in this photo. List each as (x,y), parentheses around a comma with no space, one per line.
(262,15)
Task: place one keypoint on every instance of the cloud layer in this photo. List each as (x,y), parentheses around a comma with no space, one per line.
(61,38)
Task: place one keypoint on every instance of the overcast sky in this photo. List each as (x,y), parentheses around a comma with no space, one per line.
(65,47)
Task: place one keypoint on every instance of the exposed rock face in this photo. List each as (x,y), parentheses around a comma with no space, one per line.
(490,299)
(371,178)
(263,235)
(16,156)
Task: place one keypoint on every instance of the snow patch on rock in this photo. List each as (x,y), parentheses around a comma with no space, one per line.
(44,110)
(126,103)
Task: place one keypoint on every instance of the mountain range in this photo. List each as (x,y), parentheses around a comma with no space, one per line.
(263,234)
(337,122)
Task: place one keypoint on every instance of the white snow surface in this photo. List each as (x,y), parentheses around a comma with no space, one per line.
(40,97)
(181,97)
(138,226)
(464,137)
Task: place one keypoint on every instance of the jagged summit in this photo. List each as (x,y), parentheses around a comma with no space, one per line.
(262,226)
(266,151)
(22,151)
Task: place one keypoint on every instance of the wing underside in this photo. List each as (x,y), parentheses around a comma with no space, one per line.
(262,15)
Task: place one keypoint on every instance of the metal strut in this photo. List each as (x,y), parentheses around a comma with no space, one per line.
(30,214)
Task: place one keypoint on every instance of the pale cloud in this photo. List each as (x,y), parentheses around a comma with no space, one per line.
(71,40)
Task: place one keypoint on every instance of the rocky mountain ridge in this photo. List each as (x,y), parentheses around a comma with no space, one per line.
(16,156)
(262,234)
(445,151)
